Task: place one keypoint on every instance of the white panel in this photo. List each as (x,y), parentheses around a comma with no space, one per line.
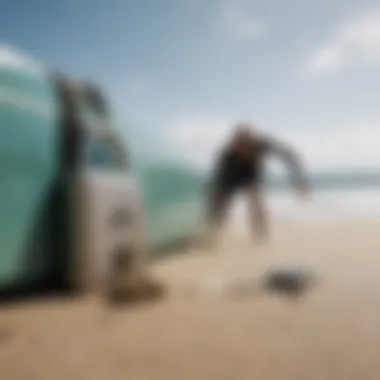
(98,197)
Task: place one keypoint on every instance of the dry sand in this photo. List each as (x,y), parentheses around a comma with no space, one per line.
(201,332)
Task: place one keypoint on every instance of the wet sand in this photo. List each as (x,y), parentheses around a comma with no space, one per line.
(203,332)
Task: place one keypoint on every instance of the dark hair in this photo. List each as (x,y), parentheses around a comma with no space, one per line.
(242,131)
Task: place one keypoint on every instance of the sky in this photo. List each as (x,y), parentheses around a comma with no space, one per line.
(184,71)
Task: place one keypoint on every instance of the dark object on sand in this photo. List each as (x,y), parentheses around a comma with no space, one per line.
(289,280)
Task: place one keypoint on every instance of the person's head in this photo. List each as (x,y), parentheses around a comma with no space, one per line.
(243,139)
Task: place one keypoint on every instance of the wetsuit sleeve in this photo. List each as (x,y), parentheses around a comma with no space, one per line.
(291,160)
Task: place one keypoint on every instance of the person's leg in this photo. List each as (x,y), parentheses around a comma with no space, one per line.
(217,211)
(258,213)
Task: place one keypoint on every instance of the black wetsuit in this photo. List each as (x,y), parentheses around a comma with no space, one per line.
(232,173)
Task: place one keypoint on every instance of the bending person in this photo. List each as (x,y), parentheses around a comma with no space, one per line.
(239,168)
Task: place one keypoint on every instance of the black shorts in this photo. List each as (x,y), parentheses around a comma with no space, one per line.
(234,186)
(222,194)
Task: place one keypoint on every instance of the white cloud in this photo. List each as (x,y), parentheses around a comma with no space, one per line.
(355,41)
(237,20)
(196,140)
(345,148)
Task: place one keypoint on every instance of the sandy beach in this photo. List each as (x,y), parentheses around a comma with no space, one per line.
(202,331)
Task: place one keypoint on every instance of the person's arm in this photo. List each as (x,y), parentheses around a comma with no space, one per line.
(292,161)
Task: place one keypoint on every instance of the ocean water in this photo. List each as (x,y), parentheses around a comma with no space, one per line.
(329,202)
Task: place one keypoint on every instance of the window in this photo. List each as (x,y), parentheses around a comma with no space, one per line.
(87,131)
(96,100)
(104,152)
